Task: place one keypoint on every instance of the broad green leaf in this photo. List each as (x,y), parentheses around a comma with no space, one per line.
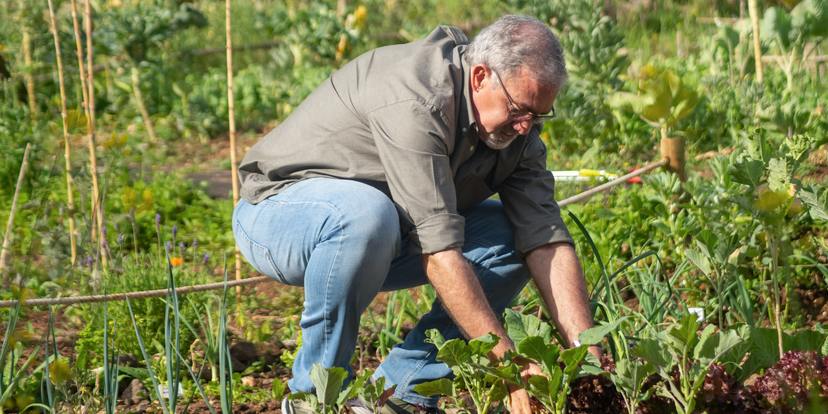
(811,18)
(519,326)
(706,347)
(748,172)
(537,348)
(595,334)
(815,208)
(683,335)
(442,386)
(328,382)
(483,345)
(539,386)
(776,26)
(778,178)
(701,261)
(572,358)
(652,351)
(454,352)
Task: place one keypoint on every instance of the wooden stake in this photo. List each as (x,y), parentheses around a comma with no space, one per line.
(27,74)
(672,149)
(70,197)
(26,50)
(79,53)
(232,124)
(753,9)
(4,251)
(97,208)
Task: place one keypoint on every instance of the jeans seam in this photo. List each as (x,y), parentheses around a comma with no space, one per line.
(341,229)
(407,379)
(264,249)
(321,203)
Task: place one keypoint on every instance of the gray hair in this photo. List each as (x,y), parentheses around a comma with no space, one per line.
(514,42)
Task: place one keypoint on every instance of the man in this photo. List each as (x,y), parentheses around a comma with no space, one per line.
(380,180)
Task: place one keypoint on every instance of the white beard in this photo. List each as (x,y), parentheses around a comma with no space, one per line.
(497,141)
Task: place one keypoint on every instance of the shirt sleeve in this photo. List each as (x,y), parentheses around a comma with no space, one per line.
(412,142)
(528,197)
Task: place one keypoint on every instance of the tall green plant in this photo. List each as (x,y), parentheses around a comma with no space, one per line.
(662,98)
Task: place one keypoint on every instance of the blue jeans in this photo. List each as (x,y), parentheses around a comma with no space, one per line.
(341,241)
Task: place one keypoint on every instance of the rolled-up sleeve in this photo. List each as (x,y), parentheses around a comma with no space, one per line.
(411,139)
(528,197)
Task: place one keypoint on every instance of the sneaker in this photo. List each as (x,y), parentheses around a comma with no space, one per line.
(395,405)
(296,407)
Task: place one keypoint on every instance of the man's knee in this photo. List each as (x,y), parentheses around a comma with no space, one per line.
(369,217)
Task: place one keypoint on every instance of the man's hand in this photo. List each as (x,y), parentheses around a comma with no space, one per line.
(519,400)
(463,298)
(557,274)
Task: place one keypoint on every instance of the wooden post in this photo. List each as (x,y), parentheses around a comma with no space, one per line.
(4,250)
(753,9)
(70,197)
(673,150)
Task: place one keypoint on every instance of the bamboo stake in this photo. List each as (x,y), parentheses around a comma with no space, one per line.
(97,209)
(135,76)
(4,251)
(27,74)
(70,198)
(26,50)
(79,53)
(232,124)
(753,9)
(155,293)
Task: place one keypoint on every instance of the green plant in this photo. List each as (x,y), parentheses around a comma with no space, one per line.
(792,31)
(559,367)
(662,97)
(682,356)
(474,372)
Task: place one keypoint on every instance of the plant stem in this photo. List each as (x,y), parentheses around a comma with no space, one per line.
(135,77)
(26,49)
(4,250)
(774,248)
(70,197)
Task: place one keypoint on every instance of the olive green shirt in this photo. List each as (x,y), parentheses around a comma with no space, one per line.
(400,118)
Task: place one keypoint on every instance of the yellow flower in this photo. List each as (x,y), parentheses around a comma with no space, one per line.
(176,261)
(360,14)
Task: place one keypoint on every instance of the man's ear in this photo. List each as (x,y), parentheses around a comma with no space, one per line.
(479,73)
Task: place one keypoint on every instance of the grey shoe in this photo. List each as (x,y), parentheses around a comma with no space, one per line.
(296,407)
(397,406)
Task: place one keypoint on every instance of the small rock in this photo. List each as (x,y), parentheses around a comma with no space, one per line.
(134,392)
(248,381)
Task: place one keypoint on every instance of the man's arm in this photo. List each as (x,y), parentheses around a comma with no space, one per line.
(558,276)
(463,298)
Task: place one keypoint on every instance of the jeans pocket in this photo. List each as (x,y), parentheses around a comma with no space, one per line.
(257,254)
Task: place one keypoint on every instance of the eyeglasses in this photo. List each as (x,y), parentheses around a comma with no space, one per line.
(521,115)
